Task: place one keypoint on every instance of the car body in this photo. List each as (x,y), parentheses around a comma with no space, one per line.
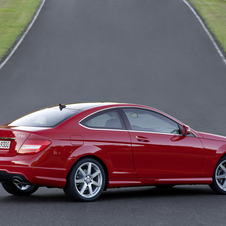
(85,148)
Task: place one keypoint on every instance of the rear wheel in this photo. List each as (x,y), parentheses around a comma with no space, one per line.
(19,189)
(86,180)
(219,177)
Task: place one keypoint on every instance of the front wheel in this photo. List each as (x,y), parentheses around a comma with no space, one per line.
(86,180)
(219,177)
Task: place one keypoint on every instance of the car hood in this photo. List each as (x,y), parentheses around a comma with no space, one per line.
(210,136)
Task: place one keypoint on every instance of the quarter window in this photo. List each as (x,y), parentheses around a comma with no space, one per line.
(150,121)
(108,119)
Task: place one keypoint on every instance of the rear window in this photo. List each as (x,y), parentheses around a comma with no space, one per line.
(48,117)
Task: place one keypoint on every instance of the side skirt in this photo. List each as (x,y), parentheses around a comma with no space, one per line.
(144,182)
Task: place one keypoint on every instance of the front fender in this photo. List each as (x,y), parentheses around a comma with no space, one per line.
(213,151)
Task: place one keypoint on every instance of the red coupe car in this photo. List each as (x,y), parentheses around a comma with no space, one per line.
(86,148)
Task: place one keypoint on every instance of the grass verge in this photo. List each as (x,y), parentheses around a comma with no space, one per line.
(15,15)
(214,14)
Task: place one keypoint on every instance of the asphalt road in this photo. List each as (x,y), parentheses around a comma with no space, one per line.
(149,52)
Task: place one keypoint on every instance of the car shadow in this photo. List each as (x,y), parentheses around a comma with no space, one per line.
(43,195)
(58,196)
(153,192)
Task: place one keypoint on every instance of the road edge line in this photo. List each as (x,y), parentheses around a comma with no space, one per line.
(23,35)
(207,31)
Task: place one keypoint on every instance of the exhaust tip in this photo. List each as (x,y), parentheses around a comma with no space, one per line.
(21,184)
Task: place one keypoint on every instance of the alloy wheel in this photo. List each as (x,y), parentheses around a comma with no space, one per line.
(88,180)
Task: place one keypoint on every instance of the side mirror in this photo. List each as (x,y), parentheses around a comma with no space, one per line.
(186,130)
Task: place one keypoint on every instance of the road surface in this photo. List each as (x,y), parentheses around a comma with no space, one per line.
(149,52)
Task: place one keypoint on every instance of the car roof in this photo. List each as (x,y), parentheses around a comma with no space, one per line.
(89,105)
(102,105)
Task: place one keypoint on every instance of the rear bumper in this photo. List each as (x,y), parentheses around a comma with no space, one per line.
(24,168)
(8,177)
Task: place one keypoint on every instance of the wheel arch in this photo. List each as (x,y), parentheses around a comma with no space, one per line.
(97,159)
(219,159)
(214,165)
(221,154)
(211,158)
(216,185)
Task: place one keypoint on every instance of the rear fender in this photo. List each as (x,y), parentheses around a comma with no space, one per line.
(90,151)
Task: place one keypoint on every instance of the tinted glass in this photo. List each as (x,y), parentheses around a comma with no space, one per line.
(145,120)
(108,119)
(48,117)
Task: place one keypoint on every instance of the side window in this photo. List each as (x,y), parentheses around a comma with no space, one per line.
(150,121)
(108,119)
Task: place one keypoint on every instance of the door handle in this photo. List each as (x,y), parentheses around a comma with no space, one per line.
(142,139)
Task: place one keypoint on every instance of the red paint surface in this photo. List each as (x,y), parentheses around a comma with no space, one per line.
(130,158)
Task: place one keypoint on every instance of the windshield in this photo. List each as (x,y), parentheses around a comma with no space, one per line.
(48,117)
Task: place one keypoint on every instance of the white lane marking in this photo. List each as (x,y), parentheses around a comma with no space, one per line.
(207,31)
(23,36)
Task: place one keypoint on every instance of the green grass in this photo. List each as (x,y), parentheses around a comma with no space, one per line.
(15,15)
(214,14)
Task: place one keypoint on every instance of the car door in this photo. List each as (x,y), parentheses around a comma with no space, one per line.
(159,150)
(106,131)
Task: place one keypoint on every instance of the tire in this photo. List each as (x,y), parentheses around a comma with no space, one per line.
(19,190)
(165,186)
(86,180)
(219,177)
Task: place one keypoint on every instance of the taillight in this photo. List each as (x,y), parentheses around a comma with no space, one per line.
(33,146)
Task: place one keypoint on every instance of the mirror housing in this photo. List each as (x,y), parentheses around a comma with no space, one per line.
(186,130)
